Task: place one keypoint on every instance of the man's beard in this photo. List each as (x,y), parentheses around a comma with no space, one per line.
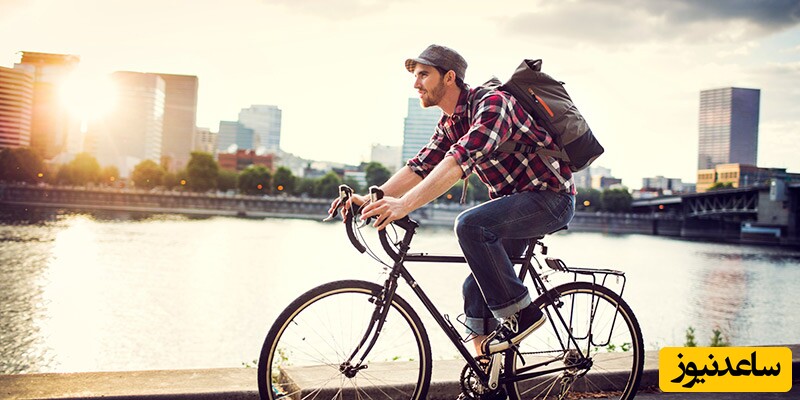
(433,97)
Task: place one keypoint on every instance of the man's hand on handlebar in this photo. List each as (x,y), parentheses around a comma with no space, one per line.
(354,199)
(385,210)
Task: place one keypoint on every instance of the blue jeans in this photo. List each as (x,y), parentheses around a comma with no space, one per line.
(492,232)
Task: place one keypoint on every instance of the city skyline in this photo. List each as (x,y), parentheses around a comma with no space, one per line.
(634,68)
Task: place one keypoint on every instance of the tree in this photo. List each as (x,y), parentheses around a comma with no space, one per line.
(172,180)
(476,192)
(306,187)
(377,174)
(227,180)
(284,181)
(255,179)
(588,200)
(721,186)
(202,172)
(109,174)
(83,169)
(21,164)
(616,200)
(328,186)
(353,183)
(147,174)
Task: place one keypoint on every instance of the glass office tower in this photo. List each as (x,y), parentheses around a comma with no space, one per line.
(728,127)
(418,128)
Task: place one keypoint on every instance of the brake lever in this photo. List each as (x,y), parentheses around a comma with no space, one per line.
(344,194)
(375,194)
(333,213)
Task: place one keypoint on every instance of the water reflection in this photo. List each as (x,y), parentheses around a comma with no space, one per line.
(86,292)
(23,255)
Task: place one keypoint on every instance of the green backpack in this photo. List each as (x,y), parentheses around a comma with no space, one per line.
(546,100)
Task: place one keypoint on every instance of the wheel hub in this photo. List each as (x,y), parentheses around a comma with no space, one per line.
(350,370)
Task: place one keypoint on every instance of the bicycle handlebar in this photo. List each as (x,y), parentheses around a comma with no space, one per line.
(405,223)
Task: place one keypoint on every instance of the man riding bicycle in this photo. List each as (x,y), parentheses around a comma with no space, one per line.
(531,194)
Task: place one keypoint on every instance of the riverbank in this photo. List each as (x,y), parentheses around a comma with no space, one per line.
(83,199)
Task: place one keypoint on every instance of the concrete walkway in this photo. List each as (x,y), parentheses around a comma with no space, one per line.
(240,383)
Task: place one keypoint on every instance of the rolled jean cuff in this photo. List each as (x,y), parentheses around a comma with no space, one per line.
(514,307)
(475,326)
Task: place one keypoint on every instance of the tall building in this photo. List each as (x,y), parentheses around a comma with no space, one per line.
(728,127)
(265,121)
(418,127)
(133,132)
(51,124)
(205,141)
(234,136)
(16,107)
(180,118)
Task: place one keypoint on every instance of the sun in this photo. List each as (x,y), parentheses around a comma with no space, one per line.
(88,97)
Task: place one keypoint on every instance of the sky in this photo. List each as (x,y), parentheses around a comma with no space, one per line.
(634,68)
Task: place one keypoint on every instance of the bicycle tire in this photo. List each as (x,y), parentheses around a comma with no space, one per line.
(310,339)
(616,347)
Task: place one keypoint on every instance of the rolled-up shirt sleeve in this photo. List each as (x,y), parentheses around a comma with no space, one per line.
(430,155)
(490,126)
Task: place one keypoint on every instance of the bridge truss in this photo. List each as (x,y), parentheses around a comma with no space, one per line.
(718,203)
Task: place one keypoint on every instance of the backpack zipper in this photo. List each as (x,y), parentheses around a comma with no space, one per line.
(540,101)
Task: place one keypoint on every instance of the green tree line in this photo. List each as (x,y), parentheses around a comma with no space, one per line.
(610,200)
(202,173)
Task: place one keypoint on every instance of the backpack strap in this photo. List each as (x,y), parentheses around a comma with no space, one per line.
(513,146)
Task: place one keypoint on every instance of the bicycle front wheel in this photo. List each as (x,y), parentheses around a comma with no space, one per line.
(592,342)
(308,351)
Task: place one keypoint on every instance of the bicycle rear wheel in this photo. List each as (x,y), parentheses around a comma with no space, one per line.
(605,332)
(306,352)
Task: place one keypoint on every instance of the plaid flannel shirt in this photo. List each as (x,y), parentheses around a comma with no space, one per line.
(472,141)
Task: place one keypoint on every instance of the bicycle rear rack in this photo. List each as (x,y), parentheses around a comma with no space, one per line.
(596,274)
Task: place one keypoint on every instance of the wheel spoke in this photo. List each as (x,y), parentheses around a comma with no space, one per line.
(606,332)
(306,351)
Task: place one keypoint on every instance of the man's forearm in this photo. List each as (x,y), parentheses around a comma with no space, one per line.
(401,182)
(437,183)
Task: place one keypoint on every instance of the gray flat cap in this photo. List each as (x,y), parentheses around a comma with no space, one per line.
(442,57)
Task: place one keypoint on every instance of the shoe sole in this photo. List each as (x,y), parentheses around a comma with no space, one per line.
(504,345)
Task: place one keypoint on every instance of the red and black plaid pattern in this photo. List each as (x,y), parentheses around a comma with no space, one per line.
(473,141)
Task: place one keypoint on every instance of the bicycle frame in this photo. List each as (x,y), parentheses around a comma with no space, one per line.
(399,252)
(399,270)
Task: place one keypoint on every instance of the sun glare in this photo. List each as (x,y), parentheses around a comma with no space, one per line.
(88,97)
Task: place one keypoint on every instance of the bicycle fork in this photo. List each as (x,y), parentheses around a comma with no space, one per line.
(382,302)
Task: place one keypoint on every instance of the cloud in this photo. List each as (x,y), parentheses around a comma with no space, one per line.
(769,15)
(636,21)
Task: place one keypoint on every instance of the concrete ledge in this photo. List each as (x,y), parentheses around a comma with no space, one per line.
(227,383)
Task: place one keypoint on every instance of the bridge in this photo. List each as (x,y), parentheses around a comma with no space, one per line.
(768,213)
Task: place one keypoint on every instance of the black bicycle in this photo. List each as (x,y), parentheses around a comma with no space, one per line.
(354,339)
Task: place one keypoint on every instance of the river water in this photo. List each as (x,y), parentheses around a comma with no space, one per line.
(83,292)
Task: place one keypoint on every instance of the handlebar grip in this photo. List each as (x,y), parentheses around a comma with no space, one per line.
(375,193)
